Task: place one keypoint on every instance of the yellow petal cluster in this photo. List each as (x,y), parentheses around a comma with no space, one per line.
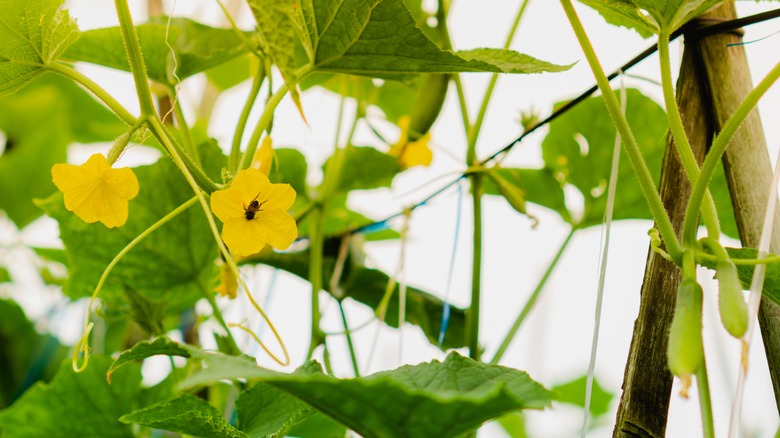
(411,153)
(264,156)
(254,213)
(228,283)
(95,191)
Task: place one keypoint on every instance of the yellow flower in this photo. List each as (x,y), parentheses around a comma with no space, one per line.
(228,283)
(96,192)
(264,156)
(254,212)
(411,153)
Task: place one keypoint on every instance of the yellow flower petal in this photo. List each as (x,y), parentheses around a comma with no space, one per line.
(250,183)
(417,153)
(96,192)
(244,237)
(280,226)
(227,205)
(281,196)
(228,284)
(264,156)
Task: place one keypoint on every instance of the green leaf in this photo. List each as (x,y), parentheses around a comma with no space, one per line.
(145,349)
(538,186)
(379,38)
(5,276)
(651,16)
(513,424)
(771,287)
(25,356)
(68,114)
(194,47)
(367,286)
(578,151)
(185,414)
(275,32)
(430,399)
(509,61)
(319,426)
(75,405)
(365,168)
(33,34)
(573,392)
(233,72)
(183,250)
(264,411)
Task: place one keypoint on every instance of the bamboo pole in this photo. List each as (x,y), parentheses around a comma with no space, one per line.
(747,165)
(647,382)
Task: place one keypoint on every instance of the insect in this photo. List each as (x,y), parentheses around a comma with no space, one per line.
(254,206)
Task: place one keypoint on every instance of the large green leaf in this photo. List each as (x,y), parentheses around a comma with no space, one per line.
(651,16)
(145,349)
(185,414)
(25,356)
(379,38)
(434,399)
(75,405)
(39,122)
(171,266)
(537,185)
(265,411)
(365,168)
(368,286)
(194,47)
(33,34)
(290,167)
(275,32)
(573,392)
(578,150)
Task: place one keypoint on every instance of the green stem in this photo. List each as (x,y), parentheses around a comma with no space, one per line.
(95,89)
(649,189)
(348,334)
(221,320)
(135,58)
(472,315)
(315,275)
(709,213)
(705,403)
(703,256)
(441,17)
(475,129)
(175,150)
(235,149)
(718,148)
(265,119)
(181,123)
(531,300)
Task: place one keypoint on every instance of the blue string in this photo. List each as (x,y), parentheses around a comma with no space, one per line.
(445,311)
(743,43)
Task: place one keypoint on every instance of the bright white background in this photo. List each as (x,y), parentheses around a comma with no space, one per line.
(554,344)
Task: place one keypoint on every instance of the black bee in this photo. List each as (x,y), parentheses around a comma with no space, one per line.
(251,210)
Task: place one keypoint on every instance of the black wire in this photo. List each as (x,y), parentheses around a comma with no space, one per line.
(692,29)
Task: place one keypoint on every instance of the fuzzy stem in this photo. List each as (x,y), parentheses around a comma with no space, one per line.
(705,403)
(134,57)
(95,89)
(350,344)
(265,119)
(235,150)
(709,213)
(315,275)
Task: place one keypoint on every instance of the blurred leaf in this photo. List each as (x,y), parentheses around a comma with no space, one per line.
(5,276)
(67,114)
(623,13)
(195,46)
(509,61)
(367,286)
(365,168)
(431,399)
(650,16)
(185,414)
(513,424)
(720,193)
(25,356)
(183,250)
(290,167)
(75,405)
(771,287)
(578,151)
(33,34)
(233,72)
(538,186)
(145,349)
(573,392)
